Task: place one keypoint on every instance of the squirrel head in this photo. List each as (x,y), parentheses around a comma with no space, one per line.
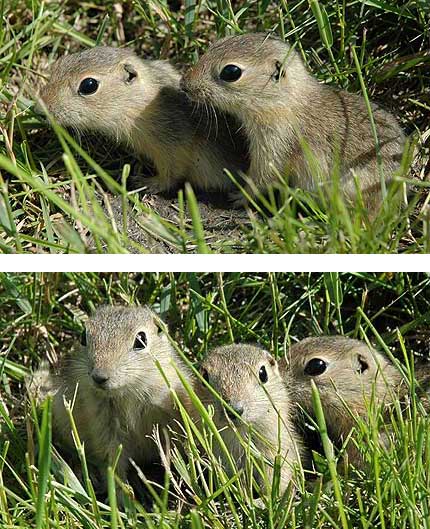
(103,89)
(121,346)
(245,72)
(346,372)
(248,380)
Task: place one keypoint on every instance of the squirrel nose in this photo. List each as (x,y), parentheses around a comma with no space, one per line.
(183,85)
(238,408)
(40,113)
(38,110)
(99,376)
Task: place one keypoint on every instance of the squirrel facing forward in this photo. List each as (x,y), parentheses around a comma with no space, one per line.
(259,409)
(121,394)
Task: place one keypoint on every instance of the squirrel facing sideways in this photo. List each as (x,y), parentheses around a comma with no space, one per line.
(120,392)
(296,126)
(248,380)
(139,104)
(349,377)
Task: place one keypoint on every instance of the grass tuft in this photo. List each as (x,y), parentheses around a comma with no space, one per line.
(42,313)
(57,195)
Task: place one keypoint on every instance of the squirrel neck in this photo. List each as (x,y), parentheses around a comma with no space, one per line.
(164,122)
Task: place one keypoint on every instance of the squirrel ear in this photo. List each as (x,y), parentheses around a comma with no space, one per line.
(130,73)
(362,364)
(279,72)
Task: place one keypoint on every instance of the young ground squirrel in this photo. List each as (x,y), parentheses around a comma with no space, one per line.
(349,377)
(296,126)
(248,380)
(120,392)
(138,103)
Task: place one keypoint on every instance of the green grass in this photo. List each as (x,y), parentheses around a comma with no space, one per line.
(40,314)
(57,196)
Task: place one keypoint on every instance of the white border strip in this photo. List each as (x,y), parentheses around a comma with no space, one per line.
(215,263)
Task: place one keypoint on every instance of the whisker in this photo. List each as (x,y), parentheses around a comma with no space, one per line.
(209,121)
(215,114)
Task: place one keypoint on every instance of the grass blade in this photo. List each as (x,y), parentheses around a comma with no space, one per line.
(44,464)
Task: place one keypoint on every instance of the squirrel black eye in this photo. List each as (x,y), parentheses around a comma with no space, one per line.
(230,73)
(205,374)
(140,342)
(315,367)
(262,375)
(84,338)
(88,86)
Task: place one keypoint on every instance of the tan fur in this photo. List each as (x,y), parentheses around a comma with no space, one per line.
(280,115)
(135,397)
(233,373)
(356,376)
(147,113)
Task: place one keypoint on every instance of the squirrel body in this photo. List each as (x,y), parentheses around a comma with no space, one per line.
(296,127)
(248,380)
(118,392)
(350,378)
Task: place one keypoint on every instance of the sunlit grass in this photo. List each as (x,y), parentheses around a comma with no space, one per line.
(41,313)
(59,196)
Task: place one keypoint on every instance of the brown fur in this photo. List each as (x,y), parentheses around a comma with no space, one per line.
(233,373)
(147,113)
(135,398)
(283,111)
(356,376)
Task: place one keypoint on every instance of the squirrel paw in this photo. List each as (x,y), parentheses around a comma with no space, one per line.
(237,200)
(154,185)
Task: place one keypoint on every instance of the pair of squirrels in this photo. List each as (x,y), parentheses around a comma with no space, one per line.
(249,105)
(123,377)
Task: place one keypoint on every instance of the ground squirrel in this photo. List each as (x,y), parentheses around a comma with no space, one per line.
(139,104)
(287,114)
(349,376)
(247,378)
(120,393)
